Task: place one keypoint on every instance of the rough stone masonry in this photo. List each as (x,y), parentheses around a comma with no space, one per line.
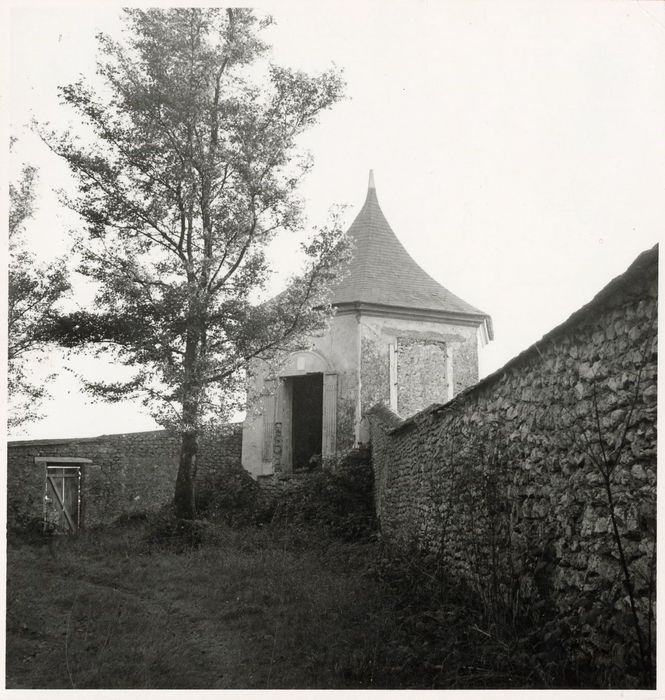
(122,474)
(538,484)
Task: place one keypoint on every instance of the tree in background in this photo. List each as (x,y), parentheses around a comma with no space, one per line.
(32,293)
(192,170)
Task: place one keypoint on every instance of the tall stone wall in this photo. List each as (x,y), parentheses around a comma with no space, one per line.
(538,485)
(128,473)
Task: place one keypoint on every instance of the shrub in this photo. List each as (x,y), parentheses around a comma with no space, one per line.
(337,503)
(23,526)
(177,534)
(32,530)
(426,629)
(231,496)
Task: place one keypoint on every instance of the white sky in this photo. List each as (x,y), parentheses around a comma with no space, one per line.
(518,148)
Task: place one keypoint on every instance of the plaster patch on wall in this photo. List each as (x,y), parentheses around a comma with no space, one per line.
(375,370)
(421,374)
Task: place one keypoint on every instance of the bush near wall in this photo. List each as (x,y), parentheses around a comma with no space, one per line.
(332,502)
(537,486)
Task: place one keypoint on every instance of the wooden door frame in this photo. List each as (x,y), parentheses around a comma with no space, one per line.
(65,462)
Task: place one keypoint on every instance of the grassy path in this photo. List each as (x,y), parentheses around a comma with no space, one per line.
(258,609)
(248,611)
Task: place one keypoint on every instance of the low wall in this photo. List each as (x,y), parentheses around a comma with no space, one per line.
(128,473)
(538,484)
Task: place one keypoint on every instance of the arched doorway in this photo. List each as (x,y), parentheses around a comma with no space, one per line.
(305,413)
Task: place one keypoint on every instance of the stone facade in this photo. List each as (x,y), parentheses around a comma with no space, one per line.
(120,474)
(400,359)
(409,363)
(534,484)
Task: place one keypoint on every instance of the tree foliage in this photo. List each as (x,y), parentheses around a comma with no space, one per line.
(33,292)
(192,171)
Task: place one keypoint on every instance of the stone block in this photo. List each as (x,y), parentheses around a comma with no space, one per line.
(650,394)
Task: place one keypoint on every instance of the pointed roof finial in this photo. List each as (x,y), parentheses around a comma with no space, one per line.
(383,275)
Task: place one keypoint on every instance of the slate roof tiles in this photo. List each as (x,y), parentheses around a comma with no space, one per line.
(382,272)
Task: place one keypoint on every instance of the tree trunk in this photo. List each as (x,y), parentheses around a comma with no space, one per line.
(183,500)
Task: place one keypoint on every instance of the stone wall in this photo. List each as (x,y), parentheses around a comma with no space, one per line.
(538,484)
(128,473)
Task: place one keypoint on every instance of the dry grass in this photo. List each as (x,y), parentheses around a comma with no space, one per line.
(277,607)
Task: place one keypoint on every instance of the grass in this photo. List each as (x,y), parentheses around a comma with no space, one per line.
(255,608)
(251,610)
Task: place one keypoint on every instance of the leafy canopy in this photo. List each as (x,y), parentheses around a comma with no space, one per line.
(32,295)
(192,171)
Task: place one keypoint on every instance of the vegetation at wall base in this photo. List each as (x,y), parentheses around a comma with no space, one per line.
(434,632)
(336,503)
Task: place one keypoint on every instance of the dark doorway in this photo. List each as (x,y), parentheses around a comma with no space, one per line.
(307,417)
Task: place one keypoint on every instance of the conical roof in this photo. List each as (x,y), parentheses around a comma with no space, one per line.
(382,272)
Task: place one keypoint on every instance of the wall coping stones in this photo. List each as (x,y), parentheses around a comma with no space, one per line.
(98,438)
(44,442)
(55,461)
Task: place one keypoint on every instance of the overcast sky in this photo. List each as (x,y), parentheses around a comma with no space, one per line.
(518,148)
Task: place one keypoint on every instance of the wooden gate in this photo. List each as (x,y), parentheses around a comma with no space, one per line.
(62,501)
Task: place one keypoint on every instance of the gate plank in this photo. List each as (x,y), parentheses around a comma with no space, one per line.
(62,503)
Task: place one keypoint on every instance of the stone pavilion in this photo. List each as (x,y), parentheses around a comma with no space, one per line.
(397,336)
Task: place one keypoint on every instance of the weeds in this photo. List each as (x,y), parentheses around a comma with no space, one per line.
(306,598)
(115,610)
(432,632)
(337,504)
(268,607)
